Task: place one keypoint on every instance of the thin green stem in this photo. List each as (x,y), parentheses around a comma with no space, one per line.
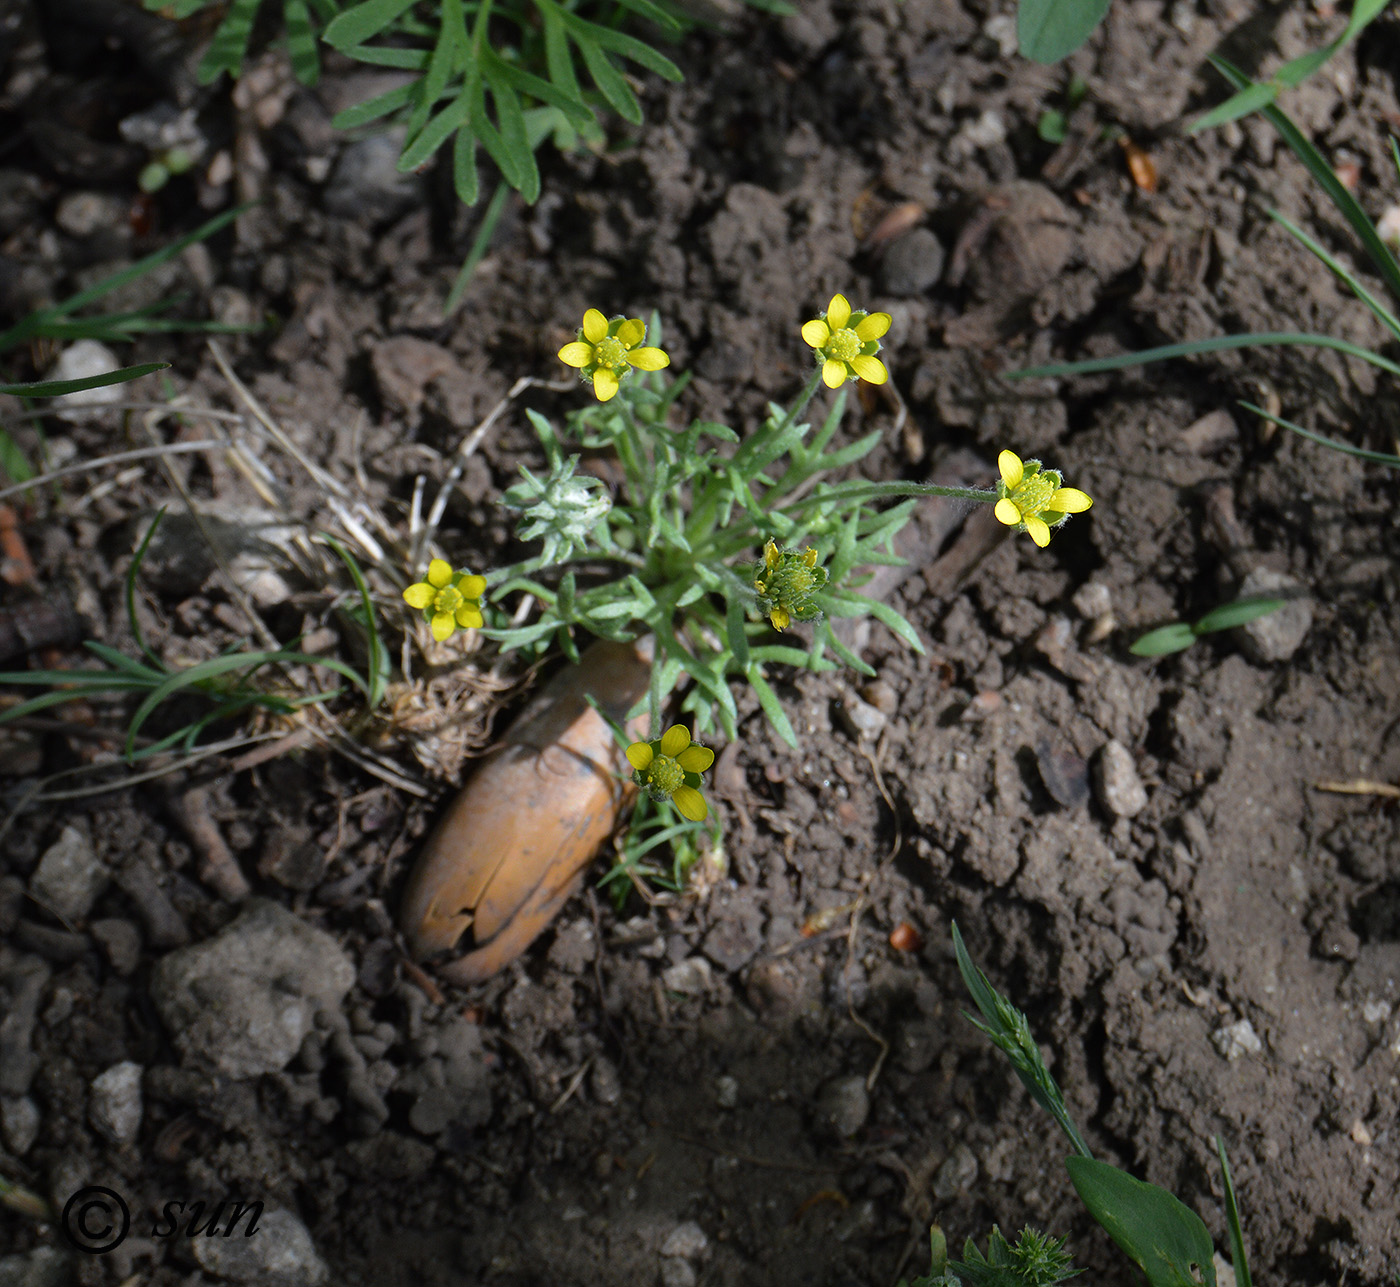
(808,393)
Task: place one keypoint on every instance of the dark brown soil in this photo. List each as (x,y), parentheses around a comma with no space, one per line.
(1224,961)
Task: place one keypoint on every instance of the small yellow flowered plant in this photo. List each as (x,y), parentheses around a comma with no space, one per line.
(448,599)
(1032,499)
(785,582)
(607,349)
(670,768)
(846,343)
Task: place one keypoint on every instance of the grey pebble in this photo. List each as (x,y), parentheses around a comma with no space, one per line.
(690,977)
(115,1104)
(1278,635)
(78,361)
(957,1174)
(726,1091)
(280,1254)
(42,1267)
(1065,774)
(676,1272)
(605,1082)
(687,1240)
(242,1002)
(912,264)
(69,876)
(844,1105)
(863,721)
(366,184)
(81,214)
(120,942)
(1116,780)
(1236,1039)
(19,1123)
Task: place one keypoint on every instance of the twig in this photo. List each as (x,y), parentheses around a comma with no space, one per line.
(218,867)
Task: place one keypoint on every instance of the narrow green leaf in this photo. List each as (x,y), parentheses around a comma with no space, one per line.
(378,660)
(464,180)
(628,47)
(610,81)
(1251,99)
(772,707)
(1159,1233)
(301,42)
(1049,30)
(735,619)
(1238,1260)
(1379,457)
(390,56)
(667,22)
(363,22)
(373,108)
(486,229)
(434,134)
(230,44)
(1164,640)
(1230,615)
(57,388)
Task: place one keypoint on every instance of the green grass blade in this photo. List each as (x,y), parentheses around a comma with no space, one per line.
(301,42)
(1230,615)
(373,108)
(772,707)
(30,326)
(230,44)
(1176,637)
(1387,318)
(1317,166)
(363,22)
(57,388)
(1238,1259)
(1216,344)
(1378,457)
(490,219)
(378,678)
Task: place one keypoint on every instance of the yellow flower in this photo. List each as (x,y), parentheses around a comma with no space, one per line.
(448,599)
(607,349)
(785,582)
(1032,499)
(846,343)
(670,768)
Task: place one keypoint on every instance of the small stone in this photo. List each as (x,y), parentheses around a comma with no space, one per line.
(686,1240)
(78,361)
(690,977)
(726,1092)
(19,1123)
(1279,634)
(881,696)
(1118,786)
(844,1104)
(574,948)
(912,264)
(862,720)
(69,876)
(1092,600)
(1361,1134)
(676,1272)
(242,1002)
(605,1083)
(404,366)
(956,1175)
(1236,1039)
(280,1254)
(366,184)
(81,214)
(1375,1011)
(121,943)
(115,1106)
(1212,431)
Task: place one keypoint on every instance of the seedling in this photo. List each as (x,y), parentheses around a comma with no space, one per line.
(1180,635)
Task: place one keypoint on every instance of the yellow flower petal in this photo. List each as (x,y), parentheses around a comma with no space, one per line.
(469,617)
(1039,532)
(691,804)
(443,626)
(439,573)
(771,554)
(595,326)
(874,326)
(649,359)
(695,759)
(833,374)
(472,587)
(1007,513)
(870,368)
(1011,469)
(816,332)
(639,756)
(576,354)
(632,332)
(780,619)
(604,384)
(1069,500)
(419,595)
(838,312)
(675,740)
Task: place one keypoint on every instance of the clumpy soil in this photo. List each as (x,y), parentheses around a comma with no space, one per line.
(753,1083)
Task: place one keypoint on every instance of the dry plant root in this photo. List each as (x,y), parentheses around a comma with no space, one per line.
(512,847)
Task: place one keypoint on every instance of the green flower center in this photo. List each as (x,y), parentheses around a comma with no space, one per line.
(1034,493)
(665,774)
(794,582)
(610,352)
(843,345)
(448,599)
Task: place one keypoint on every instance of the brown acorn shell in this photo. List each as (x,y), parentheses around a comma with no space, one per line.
(511,848)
